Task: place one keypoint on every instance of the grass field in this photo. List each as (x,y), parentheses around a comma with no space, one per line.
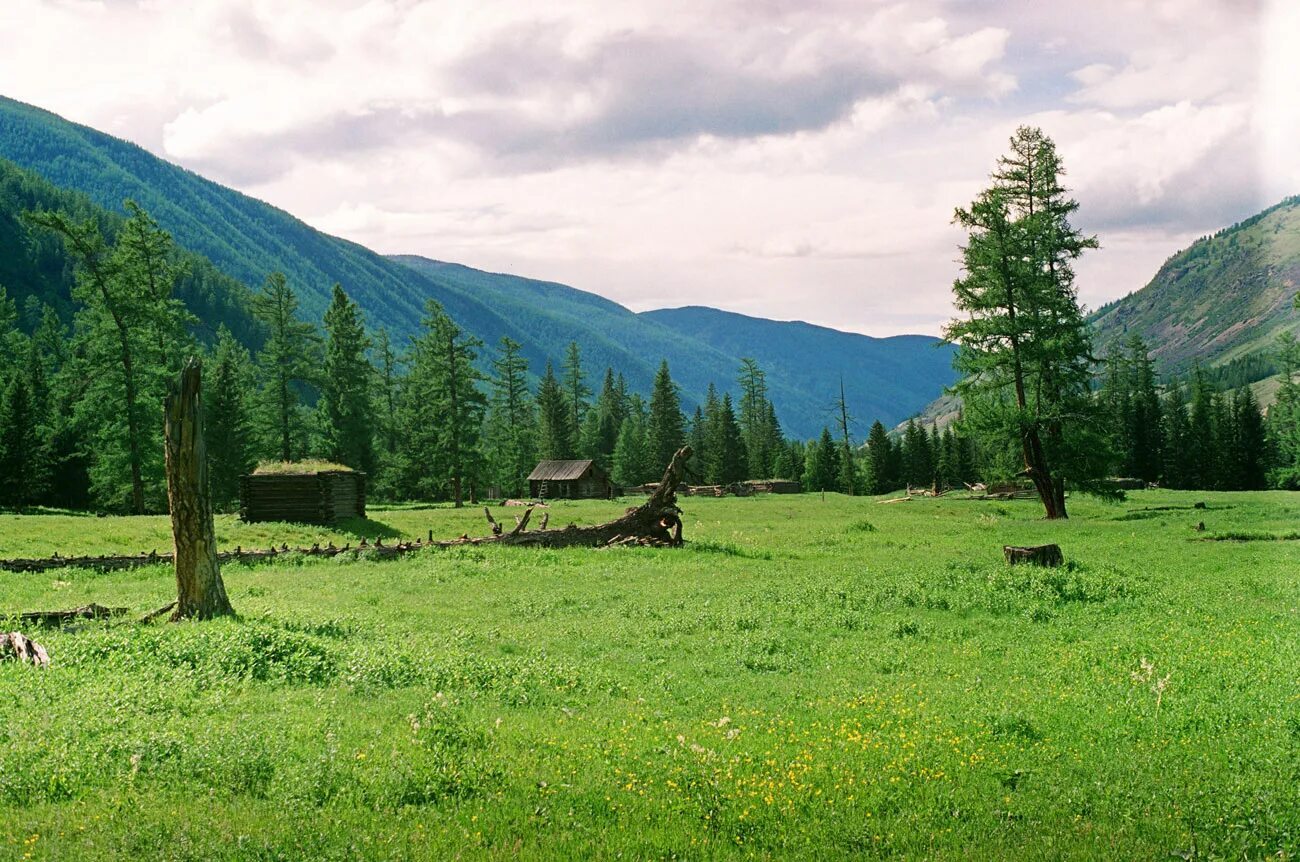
(806,679)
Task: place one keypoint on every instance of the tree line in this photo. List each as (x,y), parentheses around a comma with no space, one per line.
(437,419)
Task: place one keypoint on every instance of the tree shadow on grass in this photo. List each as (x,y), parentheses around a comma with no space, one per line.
(365,528)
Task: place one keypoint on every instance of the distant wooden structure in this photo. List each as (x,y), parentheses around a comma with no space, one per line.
(775,486)
(324,497)
(569,480)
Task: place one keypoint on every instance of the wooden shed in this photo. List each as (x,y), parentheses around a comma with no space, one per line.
(323,497)
(569,480)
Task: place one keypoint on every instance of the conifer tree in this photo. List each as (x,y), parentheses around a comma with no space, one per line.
(757,419)
(1024,343)
(878,455)
(555,433)
(632,453)
(442,412)
(345,403)
(918,460)
(1284,416)
(1251,454)
(227,420)
(1175,442)
(511,432)
(728,462)
(1202,459)
(666,432)
(576,390)
(388,379)
(131,331)
(288,361)
(600,430)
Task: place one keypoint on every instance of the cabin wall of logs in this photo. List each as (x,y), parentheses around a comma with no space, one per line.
(326,497)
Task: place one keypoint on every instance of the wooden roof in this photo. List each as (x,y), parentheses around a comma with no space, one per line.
(552,471)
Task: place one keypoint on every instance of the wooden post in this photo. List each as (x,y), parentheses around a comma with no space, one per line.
(200,594)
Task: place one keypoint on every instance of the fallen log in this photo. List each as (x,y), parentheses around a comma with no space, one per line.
(656,522)
(91,611)
(16,646)
(1037,555)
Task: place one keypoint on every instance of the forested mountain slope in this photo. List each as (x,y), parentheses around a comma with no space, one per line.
(246,239)
(1222,298)
(35,268)
(805,362)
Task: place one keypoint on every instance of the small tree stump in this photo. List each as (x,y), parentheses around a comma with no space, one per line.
(1038,555)
(17,646)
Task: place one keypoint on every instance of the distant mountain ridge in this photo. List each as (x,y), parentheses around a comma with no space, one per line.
(246,239)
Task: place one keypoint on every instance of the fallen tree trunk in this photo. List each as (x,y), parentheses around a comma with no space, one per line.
(91,611)
(656,522)
(1038,555)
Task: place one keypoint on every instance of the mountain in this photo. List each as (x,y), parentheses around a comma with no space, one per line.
(805,362)
(1223,298)
(245,239)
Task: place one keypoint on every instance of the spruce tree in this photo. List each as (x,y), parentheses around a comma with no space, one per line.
(666,432)
(878,455)
(22,462)
(576,390)
(600,430)
(1203,456)
(1251,442)
(728,461)
(345,403)
(1176,471)
(1284,416)
(227,420)
(511,431)
(631,452)
(287,362)
(442,412)
(555,433)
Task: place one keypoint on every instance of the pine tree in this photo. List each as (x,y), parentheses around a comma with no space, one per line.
(632,453)
(555,434)
(1025,346)
(131,331)
(388,378)
(511,432)
(600,430)
(728,461)
(1202,452)
(757,417)
(665,433)
(576,390)
(1250,437)
(878,455)
(22,462)
(345,403)
(228,425)
(442,410)
(1284,416)
(1175,470)
(918,460)
(288,361)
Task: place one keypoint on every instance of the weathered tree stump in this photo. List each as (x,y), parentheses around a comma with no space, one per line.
(200,593)
(1037,555)
(16,646)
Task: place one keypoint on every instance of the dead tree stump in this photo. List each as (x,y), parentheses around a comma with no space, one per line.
(1037,555)
(17,646)
(200,594)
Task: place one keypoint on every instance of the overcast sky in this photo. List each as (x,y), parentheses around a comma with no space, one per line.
(795,160)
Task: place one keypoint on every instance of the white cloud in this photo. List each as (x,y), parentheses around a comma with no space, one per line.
(790,160)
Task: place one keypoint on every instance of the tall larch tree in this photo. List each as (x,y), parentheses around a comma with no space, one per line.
(287,362)
(1024,344)
(511,432)
(345,396)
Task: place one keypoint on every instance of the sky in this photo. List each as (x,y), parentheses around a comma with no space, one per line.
(792,160)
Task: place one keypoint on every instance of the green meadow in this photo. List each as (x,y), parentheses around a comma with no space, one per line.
(807,679)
